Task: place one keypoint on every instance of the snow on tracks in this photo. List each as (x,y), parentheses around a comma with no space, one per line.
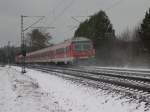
(75,97)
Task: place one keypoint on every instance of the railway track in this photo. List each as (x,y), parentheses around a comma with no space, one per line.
(141,72)
(121,74)
(133,84)
(132,81)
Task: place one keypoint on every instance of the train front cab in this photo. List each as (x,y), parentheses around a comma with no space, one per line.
(83,51)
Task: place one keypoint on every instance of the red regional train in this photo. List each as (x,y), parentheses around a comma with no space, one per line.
(67,52)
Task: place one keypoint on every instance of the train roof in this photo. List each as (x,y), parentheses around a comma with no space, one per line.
(77,39)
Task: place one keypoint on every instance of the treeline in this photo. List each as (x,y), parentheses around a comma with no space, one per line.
(35,40)
(131,48)
(8,53)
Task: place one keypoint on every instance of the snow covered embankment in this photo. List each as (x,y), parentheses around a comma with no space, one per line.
(76,97)
(19,93)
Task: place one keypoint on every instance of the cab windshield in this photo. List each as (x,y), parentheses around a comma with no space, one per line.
(82,46)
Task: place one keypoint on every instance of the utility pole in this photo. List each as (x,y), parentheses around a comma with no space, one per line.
(23,49)
(23,44)
(8,53)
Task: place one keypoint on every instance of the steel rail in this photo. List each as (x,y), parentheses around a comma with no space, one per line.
(130,82)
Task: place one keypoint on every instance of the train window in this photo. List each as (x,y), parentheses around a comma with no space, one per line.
(87,47)
(82,46)
(60,51)
(78,47)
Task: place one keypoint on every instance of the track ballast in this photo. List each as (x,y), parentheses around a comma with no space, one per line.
(134,86)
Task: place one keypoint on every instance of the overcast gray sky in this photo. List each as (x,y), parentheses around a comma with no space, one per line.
(122,13)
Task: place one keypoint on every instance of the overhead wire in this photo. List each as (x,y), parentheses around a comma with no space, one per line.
(107,9)
(114,5)
(57,6)
(71,3)
(63,10)
(54,9)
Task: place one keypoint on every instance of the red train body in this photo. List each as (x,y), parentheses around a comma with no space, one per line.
(66,52)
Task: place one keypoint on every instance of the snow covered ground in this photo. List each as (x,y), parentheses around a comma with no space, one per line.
(44,92)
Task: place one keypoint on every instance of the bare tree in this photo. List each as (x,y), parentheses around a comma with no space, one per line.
(37,39)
